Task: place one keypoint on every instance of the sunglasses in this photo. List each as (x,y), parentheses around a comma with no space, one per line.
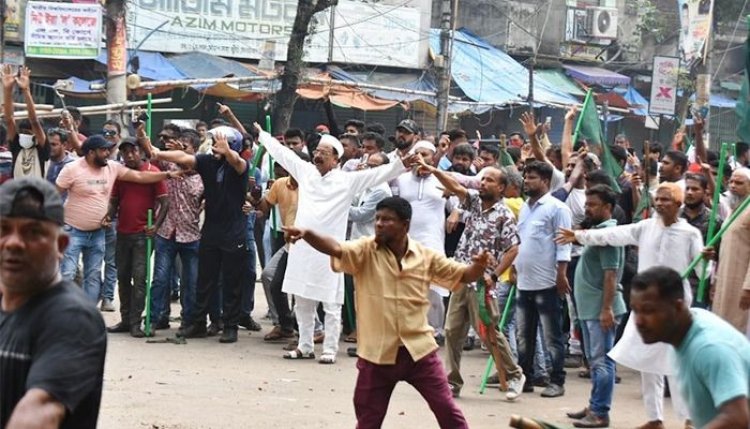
(109,133)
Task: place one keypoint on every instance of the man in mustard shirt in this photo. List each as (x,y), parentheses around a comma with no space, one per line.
(395,343)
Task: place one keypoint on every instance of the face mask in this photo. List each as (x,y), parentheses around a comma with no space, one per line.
(26,141)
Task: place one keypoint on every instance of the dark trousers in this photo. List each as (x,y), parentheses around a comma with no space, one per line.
(280,300)
(375,384)
(130,255)
(228,264)
(350,313)
(543,307)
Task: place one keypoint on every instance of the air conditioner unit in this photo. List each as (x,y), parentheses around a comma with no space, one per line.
(602,22)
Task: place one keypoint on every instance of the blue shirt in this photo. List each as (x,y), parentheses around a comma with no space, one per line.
(538,255)
(714,366)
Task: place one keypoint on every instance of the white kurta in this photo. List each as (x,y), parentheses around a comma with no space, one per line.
(323,207)
(427,225)
(675,247)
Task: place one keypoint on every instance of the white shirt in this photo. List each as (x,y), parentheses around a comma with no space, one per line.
(324,203)
(673,246)
(576,201)
(362,214)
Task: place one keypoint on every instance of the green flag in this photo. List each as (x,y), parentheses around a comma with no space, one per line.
(743,104)
(590,128)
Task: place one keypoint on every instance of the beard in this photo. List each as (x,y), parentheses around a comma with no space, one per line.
(734,200)
(693,205)
(401,144)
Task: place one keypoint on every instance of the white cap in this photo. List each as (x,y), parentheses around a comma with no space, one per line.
(423,144)
(334,142)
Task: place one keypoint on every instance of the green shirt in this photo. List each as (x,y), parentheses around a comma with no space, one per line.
(714,366)
(589,278)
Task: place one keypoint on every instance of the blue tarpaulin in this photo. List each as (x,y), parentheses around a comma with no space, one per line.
(411,81)
(153,65)
(487,74)
(639,105)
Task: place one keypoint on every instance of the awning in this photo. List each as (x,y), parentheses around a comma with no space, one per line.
(596,75)
(487,74)
(414,81)
(560,80)
(638,104)
(343,96)
(152,65)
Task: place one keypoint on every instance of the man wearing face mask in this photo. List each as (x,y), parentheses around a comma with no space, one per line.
(407,134)
(27,141)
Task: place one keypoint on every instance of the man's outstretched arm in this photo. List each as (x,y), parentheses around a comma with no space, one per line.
(321,243)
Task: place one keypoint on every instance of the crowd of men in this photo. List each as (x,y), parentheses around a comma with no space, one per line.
(474,227)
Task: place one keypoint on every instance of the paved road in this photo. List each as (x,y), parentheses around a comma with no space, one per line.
(204,384)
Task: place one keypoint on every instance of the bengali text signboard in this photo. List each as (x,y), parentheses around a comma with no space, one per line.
(63,30)
(664,86)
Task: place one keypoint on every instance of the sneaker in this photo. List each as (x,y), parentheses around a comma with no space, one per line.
(228,335)
(249,324)
(553,391)
(107,305)
(214,329)
(592,421)
(540,382)
(515,388)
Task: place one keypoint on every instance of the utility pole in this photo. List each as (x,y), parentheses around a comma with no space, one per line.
(530,98)
(117,55)
(443,63)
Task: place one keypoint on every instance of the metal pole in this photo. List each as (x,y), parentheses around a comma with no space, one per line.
(442,63)
(530,98)
(117,91)
(331,38)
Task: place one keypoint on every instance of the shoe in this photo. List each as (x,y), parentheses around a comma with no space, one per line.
(573,361)
(578,415)
(455,391)
(249,324)
(352,352)
(214,329)
(540,382)
(119,328)
(163,324)
(494,380)
(137,332)
(195,331)
(592,421)
(553,391)
(319,337)
(515,388)
(228,335)
(654,424)
(107,305)
(469,344)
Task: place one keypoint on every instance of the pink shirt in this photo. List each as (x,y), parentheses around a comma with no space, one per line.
(89,190)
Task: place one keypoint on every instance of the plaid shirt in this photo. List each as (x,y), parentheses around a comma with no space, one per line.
(183,216)
(493,230)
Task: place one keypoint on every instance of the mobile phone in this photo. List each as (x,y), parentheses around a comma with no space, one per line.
(548,120)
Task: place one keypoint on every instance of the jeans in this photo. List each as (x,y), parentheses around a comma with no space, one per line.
(266,277)
(131,276)
(90,245)
(280,299)
(545,307)
(248,292)
(598,343)
(110,268)
(164,267)
(503,291)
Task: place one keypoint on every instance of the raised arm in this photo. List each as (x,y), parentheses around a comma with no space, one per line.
(146,177)
(221,146)
(532,129)
(23,83)
(446,179)
(9,82)
(567,143)
(226,112)
(700,145)
(292,163)
(322,243)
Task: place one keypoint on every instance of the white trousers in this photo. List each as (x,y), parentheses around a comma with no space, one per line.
(305,310)
(436,313)
(652,386)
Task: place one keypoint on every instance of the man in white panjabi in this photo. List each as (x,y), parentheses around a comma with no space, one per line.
(424,192)
(663,240)
(325,195)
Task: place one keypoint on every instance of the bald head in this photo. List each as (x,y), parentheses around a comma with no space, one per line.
(492,185)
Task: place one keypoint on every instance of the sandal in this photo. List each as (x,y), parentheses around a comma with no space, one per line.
(351,338)
(278,334)
(298,354)
(327,359)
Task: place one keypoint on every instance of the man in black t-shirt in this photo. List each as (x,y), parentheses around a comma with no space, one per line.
(223,248)
(52,339)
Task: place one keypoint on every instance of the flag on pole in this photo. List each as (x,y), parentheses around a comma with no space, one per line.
(590,129)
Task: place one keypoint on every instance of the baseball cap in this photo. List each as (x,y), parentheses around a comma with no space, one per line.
(45,202)
(409,125)
(322,129)
(94,142)
(128,140)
